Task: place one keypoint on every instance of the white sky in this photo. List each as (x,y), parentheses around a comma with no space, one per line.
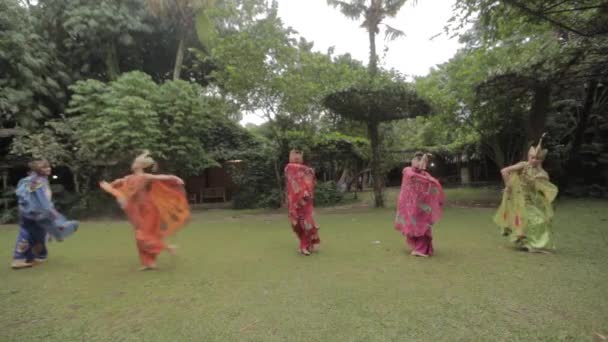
(412,55)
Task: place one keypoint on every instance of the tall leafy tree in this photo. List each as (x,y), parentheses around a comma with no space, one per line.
(185,16)
(384,101)
(373,13)
(32,78)
(91,35)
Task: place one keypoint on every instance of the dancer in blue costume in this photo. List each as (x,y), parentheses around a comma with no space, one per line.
(37,217)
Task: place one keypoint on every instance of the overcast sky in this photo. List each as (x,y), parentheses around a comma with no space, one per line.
(413,54)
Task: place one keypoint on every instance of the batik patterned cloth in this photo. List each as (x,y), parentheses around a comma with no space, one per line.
(38,219)
(419,206)
(155,208)
(526,209)
(300,197)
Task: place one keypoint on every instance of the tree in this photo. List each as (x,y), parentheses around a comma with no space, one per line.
(116,120)
(32,78)
(90,35)
(586,18)
(184,16)
(384,101)
(373,16)
(553,64)
(263,69)
(57,142)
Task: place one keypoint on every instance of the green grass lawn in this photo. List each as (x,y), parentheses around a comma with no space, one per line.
(237,277)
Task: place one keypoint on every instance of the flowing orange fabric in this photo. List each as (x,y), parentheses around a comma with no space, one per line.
(156,208)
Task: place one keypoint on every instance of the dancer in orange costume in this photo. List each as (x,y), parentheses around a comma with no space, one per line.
(155,204)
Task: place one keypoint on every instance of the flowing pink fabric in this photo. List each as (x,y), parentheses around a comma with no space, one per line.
(419,206)
(300,195)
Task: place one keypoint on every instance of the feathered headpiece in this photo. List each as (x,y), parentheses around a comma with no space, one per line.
(538,151)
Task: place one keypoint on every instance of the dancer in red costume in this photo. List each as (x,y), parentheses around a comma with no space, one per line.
(300,195)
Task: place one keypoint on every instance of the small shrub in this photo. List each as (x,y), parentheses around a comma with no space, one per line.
(327,194)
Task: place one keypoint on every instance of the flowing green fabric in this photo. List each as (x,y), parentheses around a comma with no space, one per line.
(527,210)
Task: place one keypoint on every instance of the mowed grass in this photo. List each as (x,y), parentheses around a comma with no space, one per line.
(237,277)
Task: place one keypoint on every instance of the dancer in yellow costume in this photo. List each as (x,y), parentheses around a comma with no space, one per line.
(526,211)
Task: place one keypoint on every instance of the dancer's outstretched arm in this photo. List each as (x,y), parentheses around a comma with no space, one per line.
(513,168)
(108,187)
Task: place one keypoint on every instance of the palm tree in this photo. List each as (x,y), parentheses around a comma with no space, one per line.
(373,13)
(185,15)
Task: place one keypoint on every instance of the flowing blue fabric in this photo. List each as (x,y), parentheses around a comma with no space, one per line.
(37,218)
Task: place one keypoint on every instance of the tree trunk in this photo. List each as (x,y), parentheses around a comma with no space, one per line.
(372,130)
(112,67)
(277,173)
(574,158)
(538,114)
(373,57)
(179,57)
(378,179)
(498,155)
(76,182)
(584,118)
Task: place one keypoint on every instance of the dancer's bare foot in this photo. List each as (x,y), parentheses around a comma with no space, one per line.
(414,253)
(304,251)
(539,251)
(150,267)
(19,264)
(172,249)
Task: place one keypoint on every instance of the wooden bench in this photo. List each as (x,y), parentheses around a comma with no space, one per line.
(213,193)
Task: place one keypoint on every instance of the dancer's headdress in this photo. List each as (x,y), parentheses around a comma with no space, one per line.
(144,160)
(538,151)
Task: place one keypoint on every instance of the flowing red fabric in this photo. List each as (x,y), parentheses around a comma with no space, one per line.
(156,208)
(419,204)
(300,196)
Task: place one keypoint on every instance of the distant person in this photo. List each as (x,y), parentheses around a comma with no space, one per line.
(300,181)
(526,210)
(38,218)
(155,204)
(419,206)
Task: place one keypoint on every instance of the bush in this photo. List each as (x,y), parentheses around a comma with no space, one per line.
(327,194)
(271,199)
(9,215)
(255,179)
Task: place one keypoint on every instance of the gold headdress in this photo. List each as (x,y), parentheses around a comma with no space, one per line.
(144,160)
(538,151)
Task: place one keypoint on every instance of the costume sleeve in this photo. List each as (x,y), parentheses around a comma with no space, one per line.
(512,209)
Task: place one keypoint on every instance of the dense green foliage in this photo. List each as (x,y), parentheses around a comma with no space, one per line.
(90,85)
(527,68)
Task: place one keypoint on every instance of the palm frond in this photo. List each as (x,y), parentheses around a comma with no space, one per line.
(350,10)
(392,7)
(391,33)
